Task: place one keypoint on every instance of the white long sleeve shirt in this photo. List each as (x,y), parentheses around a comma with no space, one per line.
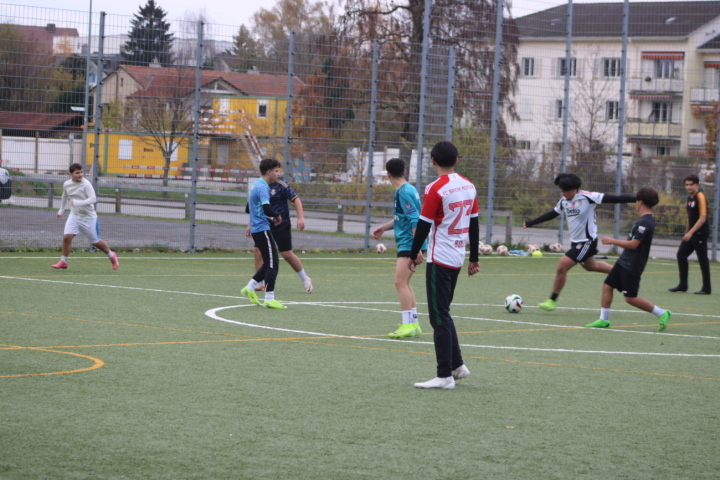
(83,196)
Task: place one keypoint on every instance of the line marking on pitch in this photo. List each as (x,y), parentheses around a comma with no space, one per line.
(212,313)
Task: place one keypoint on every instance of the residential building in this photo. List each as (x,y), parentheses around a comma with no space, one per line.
(673,67)
(241,113)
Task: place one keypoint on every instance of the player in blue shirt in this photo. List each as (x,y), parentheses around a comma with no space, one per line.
(280,194)
(407,213)
(262,216)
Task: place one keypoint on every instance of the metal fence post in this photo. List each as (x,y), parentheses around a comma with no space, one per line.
(196,128)
(86,104)
(566,105)
(450,105)
(716,200)
(621,119)
(494,120)
(423,94)
(97,117)
(371,153)
(341,219)
(288,108)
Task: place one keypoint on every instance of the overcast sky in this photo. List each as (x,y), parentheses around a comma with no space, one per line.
(227,12)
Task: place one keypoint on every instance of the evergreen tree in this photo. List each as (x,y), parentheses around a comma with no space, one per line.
(149,37)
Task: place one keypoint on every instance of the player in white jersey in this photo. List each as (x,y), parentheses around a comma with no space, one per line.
(579,209)
(79,196)
(450,216)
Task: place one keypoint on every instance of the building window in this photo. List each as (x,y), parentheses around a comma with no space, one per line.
(528,67)
(224,107)
(612,110)
(262,111)
(611,67)
(664,68)
(563,68)
(661,112)
(523,144)
(558,110)
(663,151)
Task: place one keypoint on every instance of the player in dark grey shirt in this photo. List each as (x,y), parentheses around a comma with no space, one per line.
(625,274)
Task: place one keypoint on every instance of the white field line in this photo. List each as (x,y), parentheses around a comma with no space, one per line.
(353,305)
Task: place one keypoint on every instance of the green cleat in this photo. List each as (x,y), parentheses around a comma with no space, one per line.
(406,330)
(548,305)
(664,319)
(274,304)
(599,324)
(252,296)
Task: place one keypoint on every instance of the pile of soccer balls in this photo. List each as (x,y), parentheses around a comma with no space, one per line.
(488,249)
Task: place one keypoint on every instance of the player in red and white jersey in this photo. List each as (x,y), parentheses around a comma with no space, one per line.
(450,216)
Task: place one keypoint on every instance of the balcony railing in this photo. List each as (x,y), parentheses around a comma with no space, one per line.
(696,139)
(645,128)
(656,85)
(704,95)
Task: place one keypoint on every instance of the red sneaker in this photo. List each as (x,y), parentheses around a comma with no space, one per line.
(114,261)
(60,265)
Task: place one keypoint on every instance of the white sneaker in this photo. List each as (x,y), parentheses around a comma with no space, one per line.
(438,382)
(461,372)
(307,283)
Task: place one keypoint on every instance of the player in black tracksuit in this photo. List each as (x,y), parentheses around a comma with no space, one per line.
(695,239)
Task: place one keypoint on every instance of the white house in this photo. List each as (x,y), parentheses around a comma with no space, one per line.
(673,68)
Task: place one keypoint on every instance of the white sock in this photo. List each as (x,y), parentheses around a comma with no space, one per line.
(110,255)
(657,311)
(303,276)
(252,284)
(605,314)
(269,296)
(407,316)
(414,314)
(63,259)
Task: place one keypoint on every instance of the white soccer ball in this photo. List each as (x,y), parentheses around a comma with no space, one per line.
(513,303)
(380,248)
(556,247)
(486,249)
(532,247)
(502,250)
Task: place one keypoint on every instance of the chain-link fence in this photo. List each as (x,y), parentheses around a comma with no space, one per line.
(171,117)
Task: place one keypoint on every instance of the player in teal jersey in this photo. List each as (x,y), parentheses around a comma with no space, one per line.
(407,213)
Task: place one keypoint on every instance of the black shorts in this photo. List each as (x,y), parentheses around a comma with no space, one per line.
(283,236)
(406,253)
(581,251)
(624,281)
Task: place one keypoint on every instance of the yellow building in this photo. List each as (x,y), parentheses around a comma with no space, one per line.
(128,153)
(242,114)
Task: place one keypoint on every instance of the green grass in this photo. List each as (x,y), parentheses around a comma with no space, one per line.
(126,374)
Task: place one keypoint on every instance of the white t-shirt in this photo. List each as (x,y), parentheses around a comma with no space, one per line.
(580,215)
(83,194)
(449,204)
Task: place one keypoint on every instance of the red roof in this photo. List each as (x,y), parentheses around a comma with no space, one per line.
(180,81)
(45,34)
(40,121)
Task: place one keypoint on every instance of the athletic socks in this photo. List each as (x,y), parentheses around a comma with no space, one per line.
(303,276)
(63,259)
(554,297)
(605,314)
(269,296)
(658,312)
(252,284)
(408,317)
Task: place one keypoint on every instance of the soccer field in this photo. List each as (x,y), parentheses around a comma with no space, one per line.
(161,370)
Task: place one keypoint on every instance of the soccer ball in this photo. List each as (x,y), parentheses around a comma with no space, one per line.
(556,247)
(486,249)
(480,245)
(532,247)
(502,250)
(513,303)
(380,248)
